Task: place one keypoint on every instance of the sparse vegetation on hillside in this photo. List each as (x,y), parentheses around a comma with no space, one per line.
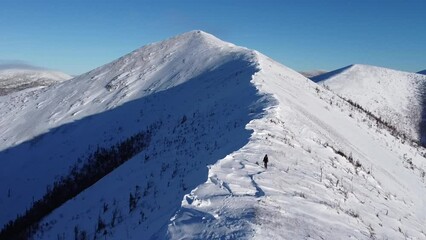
(98,164)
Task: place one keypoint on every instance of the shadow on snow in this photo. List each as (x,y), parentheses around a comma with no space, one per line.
(203,120)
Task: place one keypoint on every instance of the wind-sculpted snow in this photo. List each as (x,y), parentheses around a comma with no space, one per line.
(335,172)
(203,113)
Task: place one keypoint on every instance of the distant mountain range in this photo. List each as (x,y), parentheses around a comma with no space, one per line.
(13,79)
(422,72)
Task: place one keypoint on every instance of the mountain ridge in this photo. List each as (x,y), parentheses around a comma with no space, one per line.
(221,108)
(104,89)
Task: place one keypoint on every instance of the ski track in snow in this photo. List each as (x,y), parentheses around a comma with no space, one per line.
(238,105)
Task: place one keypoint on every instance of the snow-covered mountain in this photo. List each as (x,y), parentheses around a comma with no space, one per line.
(396,97)
(422,72)
(312,73)
(17,79)
(208,112)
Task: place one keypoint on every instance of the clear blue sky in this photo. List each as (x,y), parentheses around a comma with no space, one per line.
(76,36)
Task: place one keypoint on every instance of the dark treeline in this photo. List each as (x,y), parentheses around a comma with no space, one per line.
(97,165)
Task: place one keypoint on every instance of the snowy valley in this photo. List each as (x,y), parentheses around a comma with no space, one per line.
(186,122)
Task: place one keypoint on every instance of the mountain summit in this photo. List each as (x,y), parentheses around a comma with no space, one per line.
(166,142)
(50,131)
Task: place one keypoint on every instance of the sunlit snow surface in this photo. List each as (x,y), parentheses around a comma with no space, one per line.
(308,191)
(397,97)
(204,178)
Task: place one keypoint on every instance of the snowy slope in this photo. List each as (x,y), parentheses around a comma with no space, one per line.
(108,104)
(334,172)
(309,191)
(397,97)
(13,80)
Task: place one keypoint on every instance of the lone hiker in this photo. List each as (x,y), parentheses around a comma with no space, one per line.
(265,160)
